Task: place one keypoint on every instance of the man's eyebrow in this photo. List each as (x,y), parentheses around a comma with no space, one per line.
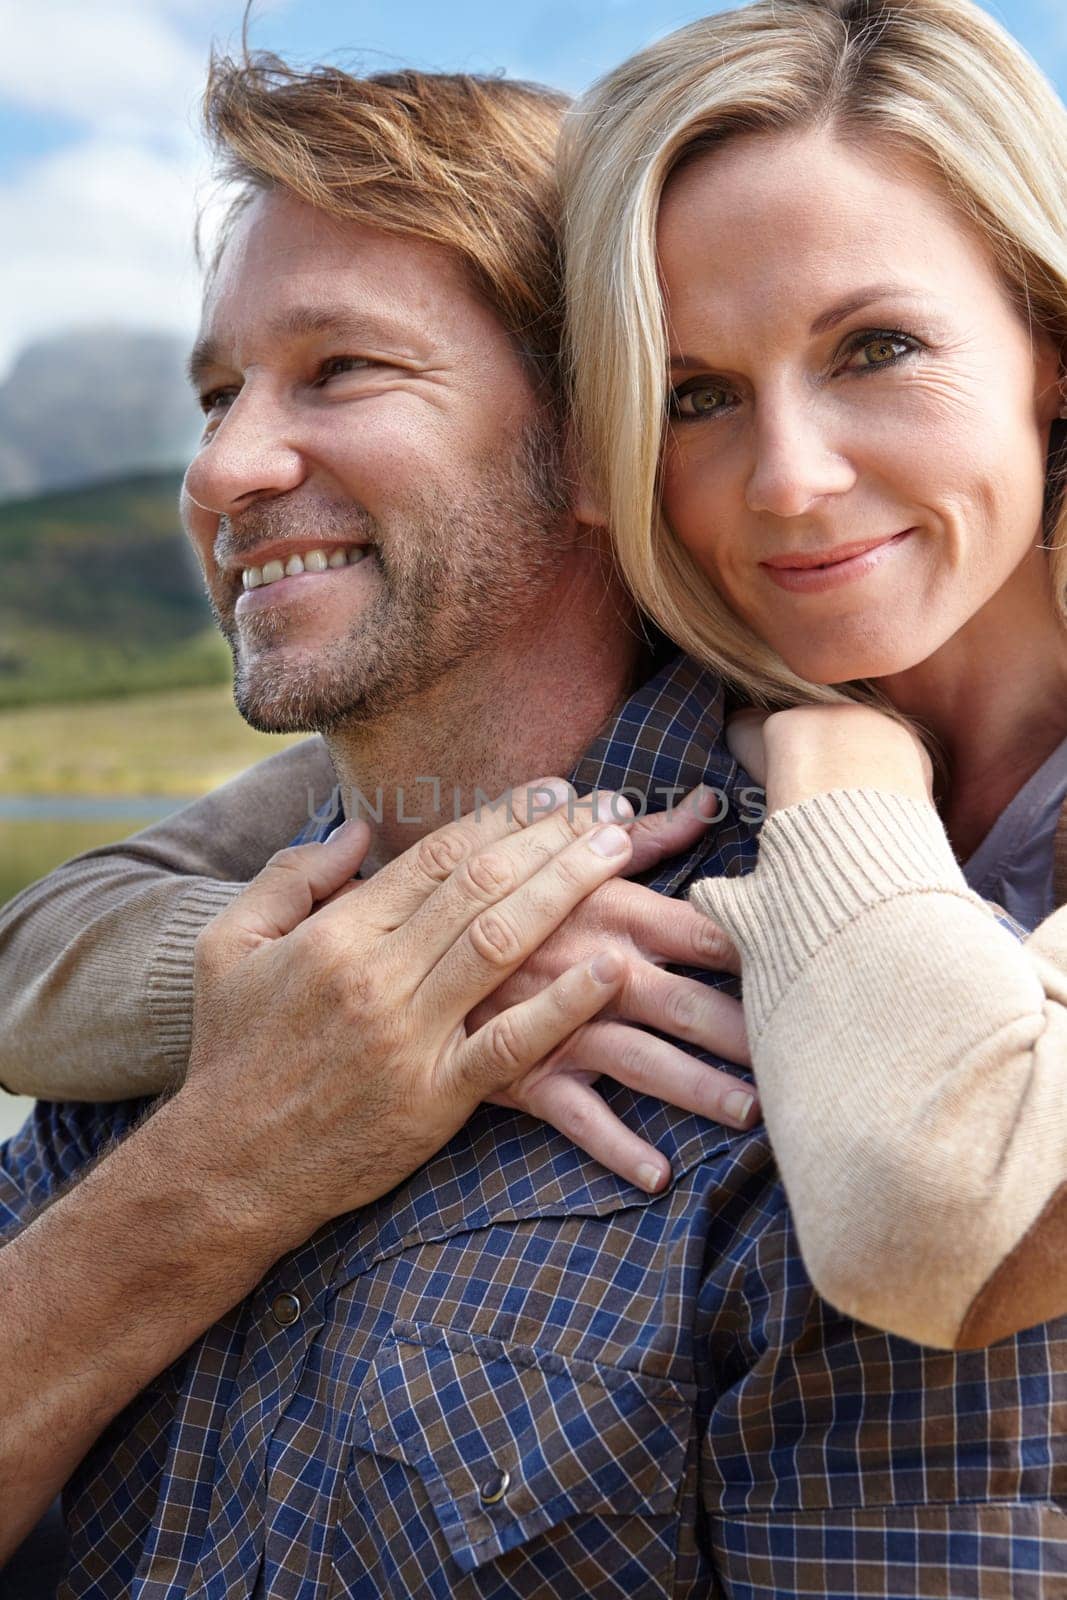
(307,322)
(827,320)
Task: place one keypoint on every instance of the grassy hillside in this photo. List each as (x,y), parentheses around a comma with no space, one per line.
(181,742)
(101,597)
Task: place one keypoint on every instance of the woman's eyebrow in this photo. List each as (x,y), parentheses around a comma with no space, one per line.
(858,301)
(827,320)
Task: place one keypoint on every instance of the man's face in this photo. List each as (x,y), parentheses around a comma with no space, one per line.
(367,414)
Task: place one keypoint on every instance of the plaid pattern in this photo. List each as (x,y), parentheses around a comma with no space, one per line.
(516,1376)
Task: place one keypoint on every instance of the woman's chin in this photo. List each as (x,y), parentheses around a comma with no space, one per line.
(842,661)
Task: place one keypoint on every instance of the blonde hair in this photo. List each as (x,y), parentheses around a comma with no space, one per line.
(461,161)
(936,78)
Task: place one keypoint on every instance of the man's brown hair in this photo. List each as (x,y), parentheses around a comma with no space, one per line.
(457,160)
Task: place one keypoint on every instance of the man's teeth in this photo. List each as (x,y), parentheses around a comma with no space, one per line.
(314,561)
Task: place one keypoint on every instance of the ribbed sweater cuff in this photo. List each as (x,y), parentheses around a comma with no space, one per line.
(821,865)
(170,971)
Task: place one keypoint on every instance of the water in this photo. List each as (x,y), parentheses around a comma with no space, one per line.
(14,1110)
(89,807)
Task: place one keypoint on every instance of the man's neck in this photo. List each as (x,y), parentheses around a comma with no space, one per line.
(524,708)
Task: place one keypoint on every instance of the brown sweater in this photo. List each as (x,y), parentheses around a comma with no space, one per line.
(96,960)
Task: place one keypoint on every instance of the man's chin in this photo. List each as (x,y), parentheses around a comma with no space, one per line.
(290,700)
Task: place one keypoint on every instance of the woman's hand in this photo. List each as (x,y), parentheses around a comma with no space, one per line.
(810,750)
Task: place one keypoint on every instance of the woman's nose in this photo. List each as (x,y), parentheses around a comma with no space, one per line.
(796,464)
(250,454)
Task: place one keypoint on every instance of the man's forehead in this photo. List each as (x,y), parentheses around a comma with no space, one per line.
(289,272)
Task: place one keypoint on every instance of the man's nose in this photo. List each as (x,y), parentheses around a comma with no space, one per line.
(796,462)
(251,454)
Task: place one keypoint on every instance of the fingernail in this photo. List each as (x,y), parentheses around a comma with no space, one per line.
(547,797)
(738,1104)
(609,841)
(649,1177)
(620,807)
(705,800)
(606,967)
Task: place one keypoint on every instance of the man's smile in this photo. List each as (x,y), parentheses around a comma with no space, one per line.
(287,578)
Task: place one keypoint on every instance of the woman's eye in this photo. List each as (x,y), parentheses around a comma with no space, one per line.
(701,400)
(879,350)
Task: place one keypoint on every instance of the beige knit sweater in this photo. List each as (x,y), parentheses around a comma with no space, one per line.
(910,1052)
(911,1056)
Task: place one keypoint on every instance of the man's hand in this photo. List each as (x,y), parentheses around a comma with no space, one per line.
(330,1054)
(647,931)
(810,750)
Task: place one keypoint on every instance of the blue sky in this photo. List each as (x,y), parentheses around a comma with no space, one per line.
(100,166)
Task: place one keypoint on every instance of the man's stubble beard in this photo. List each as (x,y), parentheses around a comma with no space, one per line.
(454,575)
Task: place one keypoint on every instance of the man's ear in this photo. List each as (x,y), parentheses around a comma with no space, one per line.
(587,503)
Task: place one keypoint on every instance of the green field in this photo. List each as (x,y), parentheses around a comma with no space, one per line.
(113,679)
(180,742)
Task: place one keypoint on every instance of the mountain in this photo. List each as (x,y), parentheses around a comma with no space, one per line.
(101,596)
(91,406)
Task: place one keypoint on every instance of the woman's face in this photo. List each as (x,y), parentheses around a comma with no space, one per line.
(859,418)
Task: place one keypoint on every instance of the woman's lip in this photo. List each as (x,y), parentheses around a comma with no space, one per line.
(804,561)
(839,570)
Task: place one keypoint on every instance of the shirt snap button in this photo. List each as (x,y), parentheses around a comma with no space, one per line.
(285,1309)
(495,1488)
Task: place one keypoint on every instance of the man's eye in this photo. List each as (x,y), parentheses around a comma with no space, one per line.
(873,350)
(215,399)
(699,400)
(336,365)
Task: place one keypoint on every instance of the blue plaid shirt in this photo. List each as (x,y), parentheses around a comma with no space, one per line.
(517,1376)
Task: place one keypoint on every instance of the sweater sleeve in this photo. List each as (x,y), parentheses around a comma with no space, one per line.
(96,960)
(911,1057)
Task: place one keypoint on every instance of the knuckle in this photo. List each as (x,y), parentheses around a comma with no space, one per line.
(708,937)
(680,1007)
(288,860)
(506,1044)
(637,1061)
(572,869)
(578,1122)
(439,854)
(494,939)
(489,873)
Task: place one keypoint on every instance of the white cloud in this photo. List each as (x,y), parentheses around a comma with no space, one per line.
(117,66)
(98,233)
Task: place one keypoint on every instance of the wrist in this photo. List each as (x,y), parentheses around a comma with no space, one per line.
(813,750)
(231,1205)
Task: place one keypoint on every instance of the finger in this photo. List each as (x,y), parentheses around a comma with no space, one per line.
(744,740)
(655,1067)
(517,1039)
(494,874)
(671,932)
(664,834)
(571,1106)
(398,890)
(497,940)
(289,887)
(689,1011)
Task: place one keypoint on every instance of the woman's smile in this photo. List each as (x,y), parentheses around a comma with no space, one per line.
(806,573)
